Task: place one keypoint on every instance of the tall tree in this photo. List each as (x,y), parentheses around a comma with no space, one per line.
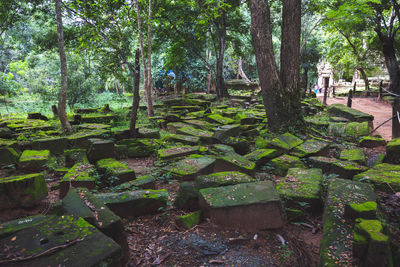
(146,70)
(279,89)
(62,97)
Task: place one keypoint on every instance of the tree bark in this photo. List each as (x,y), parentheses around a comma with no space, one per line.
(265,58)
(150,111)
(62,97)
(220,26)
(280,91)
(240,70)
(135,72)
(149,91)
(290,52)
(391,63)
(365,78)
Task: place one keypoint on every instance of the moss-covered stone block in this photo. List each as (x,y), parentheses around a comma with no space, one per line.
(100,149)
(80,175)
(189,220)
(311,148)
(356,155)
(10,227)
(172,127)
(22,191)
(262,156)
(78,242)
(241,145)
(217,118)
(34,160)
(95,118)
(336,246)
(200,124)
(222,179)
(393,151)
(372,141)
(262,143)
(176,152)
(115,172)
(187,197)
(6,133)
(81,203)
(189,168)
(352,130)
(225,131)
(219,149)
(135,203)
(378,252)
(365,210)
(8,156)
(185,139)
(143,182)
(234,162)
(341,110)
(286,142)
(55,145)
(205,136)
(81,139)
(247,206)
(149,133)
(385,177)
(73,156)
(345,169)
(302,189)
(137,148)
(283,163)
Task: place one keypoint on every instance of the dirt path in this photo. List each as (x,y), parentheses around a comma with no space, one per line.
(381,112)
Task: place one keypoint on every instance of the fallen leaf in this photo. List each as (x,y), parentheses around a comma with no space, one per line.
(14,238)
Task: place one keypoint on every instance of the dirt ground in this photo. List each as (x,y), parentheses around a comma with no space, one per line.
(381,111)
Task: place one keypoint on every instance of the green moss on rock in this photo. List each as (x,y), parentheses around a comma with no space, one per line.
(222,179)
(283,163)
(355,155)
(262,156)
(385,177)
(22,191)
(393,151)
(189,220)
(302,189)
(34,160)
(286,142)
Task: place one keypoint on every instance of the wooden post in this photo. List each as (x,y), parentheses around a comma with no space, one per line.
(333,91)
(354,88)
(380,91)
(349,99)
(325,93)
(396,118)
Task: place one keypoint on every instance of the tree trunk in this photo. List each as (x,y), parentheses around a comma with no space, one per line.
(365,78)
(62,97)
(135,72)
(265,58)
(279,91)
(305,78)
(240,70)
(222,91)
(391,63)
(150,111)
(290,54)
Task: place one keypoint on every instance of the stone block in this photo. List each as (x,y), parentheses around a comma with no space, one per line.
(34,160)
(22,191)
(248,206)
